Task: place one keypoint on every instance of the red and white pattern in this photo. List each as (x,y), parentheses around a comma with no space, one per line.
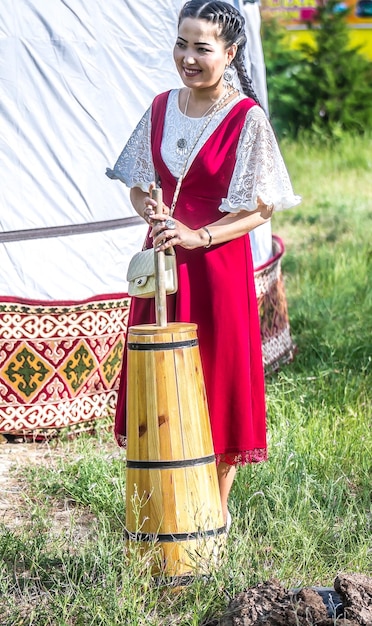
(59,361)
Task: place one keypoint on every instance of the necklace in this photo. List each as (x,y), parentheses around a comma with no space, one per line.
(181,144)
(216,107)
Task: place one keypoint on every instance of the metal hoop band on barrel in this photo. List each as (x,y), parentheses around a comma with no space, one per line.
(191,343)
(172,537)
(204,460)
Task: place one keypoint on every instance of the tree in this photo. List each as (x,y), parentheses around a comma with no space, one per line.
(329,88)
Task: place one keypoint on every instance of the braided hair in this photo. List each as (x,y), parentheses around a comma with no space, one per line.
(232,30)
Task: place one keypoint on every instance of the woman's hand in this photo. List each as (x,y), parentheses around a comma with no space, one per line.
(167,232)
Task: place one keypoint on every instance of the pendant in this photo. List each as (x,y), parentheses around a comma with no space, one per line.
(181,146)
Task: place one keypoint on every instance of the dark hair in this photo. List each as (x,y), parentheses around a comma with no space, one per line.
(232,30)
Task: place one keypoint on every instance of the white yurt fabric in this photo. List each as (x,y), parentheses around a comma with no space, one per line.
(75,75)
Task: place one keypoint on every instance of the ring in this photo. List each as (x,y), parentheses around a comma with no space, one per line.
(170,224)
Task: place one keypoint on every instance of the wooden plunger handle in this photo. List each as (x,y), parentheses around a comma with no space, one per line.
(159,260)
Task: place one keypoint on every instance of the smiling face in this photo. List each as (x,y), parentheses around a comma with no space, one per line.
(200,54)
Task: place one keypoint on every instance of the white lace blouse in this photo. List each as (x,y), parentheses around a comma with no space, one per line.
(259,170)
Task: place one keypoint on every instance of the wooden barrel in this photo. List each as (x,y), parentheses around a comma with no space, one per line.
(172,497)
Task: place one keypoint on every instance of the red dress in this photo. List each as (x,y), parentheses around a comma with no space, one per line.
(217,292)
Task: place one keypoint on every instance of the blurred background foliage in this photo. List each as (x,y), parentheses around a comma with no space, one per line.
(323,89)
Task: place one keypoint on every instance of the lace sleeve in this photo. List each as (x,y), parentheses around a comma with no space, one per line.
(259,171)
(134,166)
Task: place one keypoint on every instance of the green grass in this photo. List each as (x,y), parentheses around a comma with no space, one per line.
(303,516)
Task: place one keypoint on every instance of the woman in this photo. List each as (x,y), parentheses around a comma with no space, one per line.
(218,144)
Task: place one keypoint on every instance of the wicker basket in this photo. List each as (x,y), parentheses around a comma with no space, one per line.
(277,345)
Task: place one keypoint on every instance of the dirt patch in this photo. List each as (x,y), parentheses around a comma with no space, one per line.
(16,454)
(13,457)
(356,593)
(349,603)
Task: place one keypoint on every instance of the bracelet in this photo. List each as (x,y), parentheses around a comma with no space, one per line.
(209,235)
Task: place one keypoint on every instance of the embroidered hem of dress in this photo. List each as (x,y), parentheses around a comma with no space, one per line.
(258,455)
(121,440)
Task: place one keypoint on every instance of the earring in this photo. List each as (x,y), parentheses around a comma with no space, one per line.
(228,74)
